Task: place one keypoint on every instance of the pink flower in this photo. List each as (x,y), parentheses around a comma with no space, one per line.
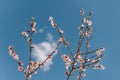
(80,59)
(79,56)
(24,34)
(102,67)
(15,56)
(102,49)
(29,76)
(31,62)
(82,68)
(93,61)
(52,22)
(28,30)
(32,24)
(89,23)
(51,18)
(10,47)
(66,73)
(25,72)
(28,40)
(67,61)
(20,62)
(36,64)
(61,31)
(11,51)
(82,25)
(35,71)
(84,20)
(98,53)
(34,30)
(87,34)
(32,46)
(20,68)
(66,58)
(61,40)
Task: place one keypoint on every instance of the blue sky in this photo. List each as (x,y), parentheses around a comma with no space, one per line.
(16,14)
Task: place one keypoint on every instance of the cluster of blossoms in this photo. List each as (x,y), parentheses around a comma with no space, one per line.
(12,53)
(67,61)
(77,64)
(33,66)
(33,25)
(60,31)
(85,21)
(52,22)
(99,51)
(15,56)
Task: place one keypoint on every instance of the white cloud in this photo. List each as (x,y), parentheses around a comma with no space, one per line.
(43,49)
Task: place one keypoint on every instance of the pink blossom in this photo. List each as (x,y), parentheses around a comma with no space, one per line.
(61,40)
(11,51)
(32,46)
(25,72)
(66,58)
(81,33)
(93,61)
(67,61)
(66,73)
(102,67)
(20,62)
(31,62)
(51,18)
(96,66)
(102,49)
(24,34)
(32,24)
(89,23)
(36,64)
(15,56)
(29,76)
(61,31)
(82,68)
(67,65)
(28,30)
(75,56)
(20,68)
(98,53)
(87,34)
(35,71)
(80,59)
(34,30)
(28,40)
(53,24)
(82,25)
(10,47)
